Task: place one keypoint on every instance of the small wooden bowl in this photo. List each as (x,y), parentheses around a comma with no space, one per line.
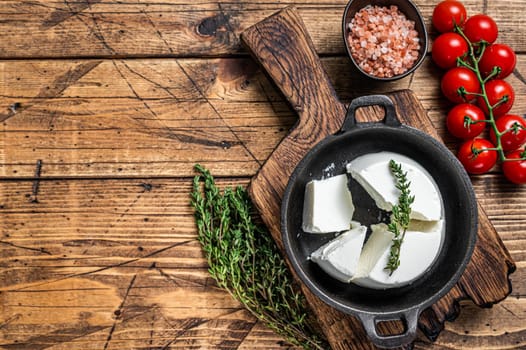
(409,9)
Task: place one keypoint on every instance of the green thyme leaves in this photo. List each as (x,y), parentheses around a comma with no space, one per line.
(245,261)
(400,217)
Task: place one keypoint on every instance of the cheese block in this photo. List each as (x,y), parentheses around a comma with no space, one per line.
(379,241)
(418,252)
(339,257)
(328,205)
(372,172)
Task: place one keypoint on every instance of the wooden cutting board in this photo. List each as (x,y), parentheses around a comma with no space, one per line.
(284,49)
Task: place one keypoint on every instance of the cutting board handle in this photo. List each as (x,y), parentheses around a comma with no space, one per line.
(283,47)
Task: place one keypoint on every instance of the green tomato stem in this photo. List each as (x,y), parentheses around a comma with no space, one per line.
(515,159)
(483,94)
(494,72)
(514,129)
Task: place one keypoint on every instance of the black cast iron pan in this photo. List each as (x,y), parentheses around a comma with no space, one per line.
(460,211)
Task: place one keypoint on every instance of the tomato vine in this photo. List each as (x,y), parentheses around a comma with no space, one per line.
(477,79)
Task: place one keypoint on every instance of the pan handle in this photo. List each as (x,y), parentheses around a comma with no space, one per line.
(390,118)
(410,317)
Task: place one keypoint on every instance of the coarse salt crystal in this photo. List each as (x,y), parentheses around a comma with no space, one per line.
(381,34)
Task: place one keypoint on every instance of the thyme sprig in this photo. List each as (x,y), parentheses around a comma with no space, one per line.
(400,218)
(244,260)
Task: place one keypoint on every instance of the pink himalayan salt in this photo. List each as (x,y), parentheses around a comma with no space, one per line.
(383,41)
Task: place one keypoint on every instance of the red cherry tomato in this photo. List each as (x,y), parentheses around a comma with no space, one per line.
(514,128)
(498,91)
(448,13)
(498,55)
(475,156)
(447,48)
(481,28)
(515,170)
(459,83)
(465,121)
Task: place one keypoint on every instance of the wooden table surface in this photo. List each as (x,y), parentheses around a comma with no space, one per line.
(106,106)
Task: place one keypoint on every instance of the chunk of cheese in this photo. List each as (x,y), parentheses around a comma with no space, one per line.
(418,252)
(339,257)
(372,172)
(328,205)
(379,241)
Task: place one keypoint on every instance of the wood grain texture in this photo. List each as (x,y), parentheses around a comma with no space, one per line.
(96,265)
(320,112)
(157,117)
(67,261)
(118,100)
(282,45)
(170,111)
(110,28)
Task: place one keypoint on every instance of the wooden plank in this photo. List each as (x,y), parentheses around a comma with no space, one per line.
(69,260)
(21,215)
(98,264)
(109,28)
(150,116)
(156,117)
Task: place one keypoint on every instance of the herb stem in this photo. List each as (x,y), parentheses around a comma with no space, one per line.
(401,215)
(245,261)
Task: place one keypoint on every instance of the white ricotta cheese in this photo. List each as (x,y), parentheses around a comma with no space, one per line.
(328,205)
(418,252)
(372,172)
(379,241)
(339,257)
